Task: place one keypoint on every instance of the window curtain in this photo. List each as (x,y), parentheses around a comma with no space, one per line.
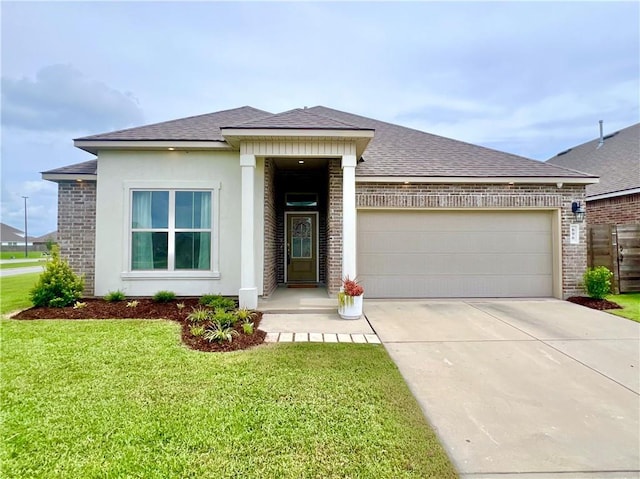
(143,241)
(204,260)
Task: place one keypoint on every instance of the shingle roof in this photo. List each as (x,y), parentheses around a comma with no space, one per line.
(298,119)
(394,150)
(399,151)
(85,168)
(194,128)
(617,162)
(9,234)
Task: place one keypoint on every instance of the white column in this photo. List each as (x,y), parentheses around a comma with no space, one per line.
(349,216)
(248,294)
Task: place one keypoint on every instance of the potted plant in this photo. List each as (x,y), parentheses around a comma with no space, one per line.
(350,299)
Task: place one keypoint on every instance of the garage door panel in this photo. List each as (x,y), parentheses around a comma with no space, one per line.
(444,242)
(453,286)
(449,264)
(415,254)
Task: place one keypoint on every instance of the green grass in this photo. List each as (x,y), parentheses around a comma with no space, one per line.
(14,291)
(19,254)
(23,264)
(124,398)
(630,303)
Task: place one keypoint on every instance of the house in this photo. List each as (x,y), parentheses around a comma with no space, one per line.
(240,201)
(10,236)
(615,158)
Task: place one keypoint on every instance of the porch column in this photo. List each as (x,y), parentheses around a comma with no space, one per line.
(349,216)
(248,294)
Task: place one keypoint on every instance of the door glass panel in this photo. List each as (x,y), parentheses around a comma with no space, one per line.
(301,237)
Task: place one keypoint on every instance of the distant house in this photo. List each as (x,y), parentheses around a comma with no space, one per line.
(239,202)
(615,158)
(10,236)
(46,238)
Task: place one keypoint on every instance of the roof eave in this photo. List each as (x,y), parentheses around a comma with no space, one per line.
(557,180)
(93,146)
(613,194)
(361,136)
(79,177)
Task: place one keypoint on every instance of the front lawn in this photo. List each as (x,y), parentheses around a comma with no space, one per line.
(630,303)
(14,291)
(124,398)
(20,254)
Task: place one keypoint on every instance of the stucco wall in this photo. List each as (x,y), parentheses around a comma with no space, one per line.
(614,211)
(118,171)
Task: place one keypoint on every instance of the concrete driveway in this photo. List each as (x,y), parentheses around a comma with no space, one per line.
(521,388)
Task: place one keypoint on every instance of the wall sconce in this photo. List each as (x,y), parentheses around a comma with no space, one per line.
(578,211)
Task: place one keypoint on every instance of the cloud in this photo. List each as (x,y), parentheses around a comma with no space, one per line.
(61,98)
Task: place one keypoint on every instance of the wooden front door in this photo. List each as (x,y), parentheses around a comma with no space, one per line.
(302,254)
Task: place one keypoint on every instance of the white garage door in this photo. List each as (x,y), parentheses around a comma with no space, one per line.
(464,254)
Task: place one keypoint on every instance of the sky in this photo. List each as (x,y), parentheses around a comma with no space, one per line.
(529,78)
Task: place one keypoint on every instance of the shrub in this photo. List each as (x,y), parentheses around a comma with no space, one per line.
(114,296)
(247,328)
(58,285)
(224,318)
(218,302)
(218,332)
(245,315)
(597,282)
(164,296)
(199,315)
(197,330)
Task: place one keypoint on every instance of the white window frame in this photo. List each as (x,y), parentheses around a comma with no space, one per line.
(170,273)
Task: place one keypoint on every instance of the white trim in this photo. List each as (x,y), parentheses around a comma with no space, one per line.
(296,133)
(68,177)
(317,241)
(214,188)
(478,179)
(615,194)
(92,146)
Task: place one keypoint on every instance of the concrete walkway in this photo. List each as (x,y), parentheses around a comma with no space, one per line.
(316,327)
(521,389)
(19,271)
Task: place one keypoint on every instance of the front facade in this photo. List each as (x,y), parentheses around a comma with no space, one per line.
(242,201)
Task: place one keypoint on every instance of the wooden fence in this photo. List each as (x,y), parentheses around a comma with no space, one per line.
(618,248)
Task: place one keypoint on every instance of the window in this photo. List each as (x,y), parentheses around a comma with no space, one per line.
(171,230)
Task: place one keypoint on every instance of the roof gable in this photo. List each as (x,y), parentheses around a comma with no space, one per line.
(616,162)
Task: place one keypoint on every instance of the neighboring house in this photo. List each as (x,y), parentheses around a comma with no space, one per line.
(615,158)
(44,239)
(10,236)
(240,201)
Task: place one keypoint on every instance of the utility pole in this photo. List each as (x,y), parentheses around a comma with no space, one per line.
(26,231)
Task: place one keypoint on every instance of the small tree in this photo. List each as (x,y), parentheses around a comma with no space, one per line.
(597,282)
(58,285)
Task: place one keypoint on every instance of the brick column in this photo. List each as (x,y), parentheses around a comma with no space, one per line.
(77,228)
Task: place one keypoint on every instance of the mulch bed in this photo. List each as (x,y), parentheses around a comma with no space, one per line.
(599,304)
(147,309)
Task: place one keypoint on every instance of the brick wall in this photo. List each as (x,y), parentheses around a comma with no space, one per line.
(77,228)
(574,257)
(334,228)
(614,211)
(270,227)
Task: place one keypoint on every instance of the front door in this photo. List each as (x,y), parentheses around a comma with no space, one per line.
(301,247)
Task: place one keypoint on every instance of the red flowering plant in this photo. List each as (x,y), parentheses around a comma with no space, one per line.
(350,288)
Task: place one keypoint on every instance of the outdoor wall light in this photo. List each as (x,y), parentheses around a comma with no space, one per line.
(578,211)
